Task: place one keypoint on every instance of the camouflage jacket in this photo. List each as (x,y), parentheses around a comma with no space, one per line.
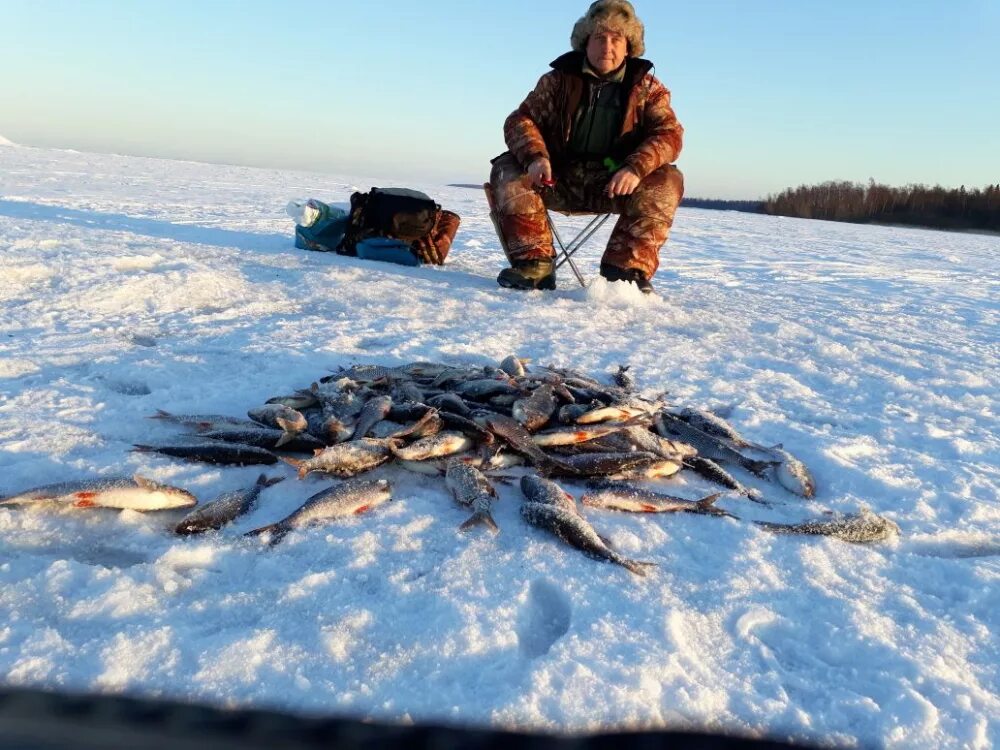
(650,134)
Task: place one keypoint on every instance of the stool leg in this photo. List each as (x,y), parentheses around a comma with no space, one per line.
(564,255)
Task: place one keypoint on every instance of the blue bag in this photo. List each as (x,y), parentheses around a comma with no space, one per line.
(388,250)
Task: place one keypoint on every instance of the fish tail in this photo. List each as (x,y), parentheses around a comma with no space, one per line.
(298,463)
(160,414)
(759,467)
(481,517)
(265,481)
(638,567)
(139,448)
(708,501)
(278,531)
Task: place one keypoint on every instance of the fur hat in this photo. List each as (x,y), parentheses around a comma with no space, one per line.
(617,15)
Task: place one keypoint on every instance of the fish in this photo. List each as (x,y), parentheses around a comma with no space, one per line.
(546,492)
(513,366)
(570,435)
(646,440)
(535,410)
(602,464)
(284,418)
(126,493)
(859,528)
(349,498)
(572,528)
(627,497)
(712,424)
(450,402)
(510,430)
(792,474)
(205,421)
(265,437)
(472,489)
(225,508)
(708,446)
(298,401)
(374,411)
(213,453)
(442,444)
(613,413)
(485,388)
(345,459)
(623,378)
(657,469)
(715,473)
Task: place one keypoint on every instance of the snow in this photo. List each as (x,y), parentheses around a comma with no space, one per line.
(871,353)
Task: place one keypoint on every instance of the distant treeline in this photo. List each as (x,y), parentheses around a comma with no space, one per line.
(917,205)
(754,207)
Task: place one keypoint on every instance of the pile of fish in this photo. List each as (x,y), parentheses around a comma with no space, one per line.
(467,423)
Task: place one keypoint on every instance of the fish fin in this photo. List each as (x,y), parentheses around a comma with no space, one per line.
(298,464)
(144,482)
(709,500)
(588,500)
(265,481)
(287,425)
(160,414)
(286,438)
(362,509)
(480,518)
(139,448)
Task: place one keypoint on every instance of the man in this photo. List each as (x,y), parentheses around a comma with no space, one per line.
(597,135)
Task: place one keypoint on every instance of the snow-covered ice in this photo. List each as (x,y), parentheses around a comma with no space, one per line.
(130,285)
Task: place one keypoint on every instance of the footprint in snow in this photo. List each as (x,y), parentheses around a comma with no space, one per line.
(544,619)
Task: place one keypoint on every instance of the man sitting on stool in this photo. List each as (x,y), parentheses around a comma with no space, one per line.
(597,135)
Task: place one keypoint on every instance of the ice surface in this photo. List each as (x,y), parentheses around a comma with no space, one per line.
(131,285)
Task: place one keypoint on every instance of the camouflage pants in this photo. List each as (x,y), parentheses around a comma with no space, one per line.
(644,220)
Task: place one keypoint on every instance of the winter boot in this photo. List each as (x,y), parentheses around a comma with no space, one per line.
(631,275)
(529,274)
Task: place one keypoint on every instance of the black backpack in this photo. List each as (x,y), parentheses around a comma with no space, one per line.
(400,213)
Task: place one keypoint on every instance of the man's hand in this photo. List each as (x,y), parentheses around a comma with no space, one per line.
(623,182)
(540,172)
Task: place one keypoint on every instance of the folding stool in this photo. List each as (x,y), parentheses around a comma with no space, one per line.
(565,254)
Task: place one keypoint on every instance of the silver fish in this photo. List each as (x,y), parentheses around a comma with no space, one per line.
(711,423)
(859,528)
(645,440)
(715,473)
(442,444)
(204,421)
(546,492)
(284,418)
(614,413)
(573,529)
(345,459)
(513,366)
(346,499)
(657,469)
(603,464)
(708,446)
(535,411)
(129,493)
(485,388)
(374,411)
(225,508)
(570,435)
(792,474)
(472,489)
(627,497)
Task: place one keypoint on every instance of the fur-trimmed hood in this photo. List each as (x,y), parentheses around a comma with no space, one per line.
(617,15)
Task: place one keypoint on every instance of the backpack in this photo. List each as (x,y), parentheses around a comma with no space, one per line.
(402,214)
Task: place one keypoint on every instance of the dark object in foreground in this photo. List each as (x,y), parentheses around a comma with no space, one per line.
(213,453)
(46,721)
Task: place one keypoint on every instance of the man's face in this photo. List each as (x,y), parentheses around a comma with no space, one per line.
(606,50)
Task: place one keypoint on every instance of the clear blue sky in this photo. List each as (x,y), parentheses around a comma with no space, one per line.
(772,93)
